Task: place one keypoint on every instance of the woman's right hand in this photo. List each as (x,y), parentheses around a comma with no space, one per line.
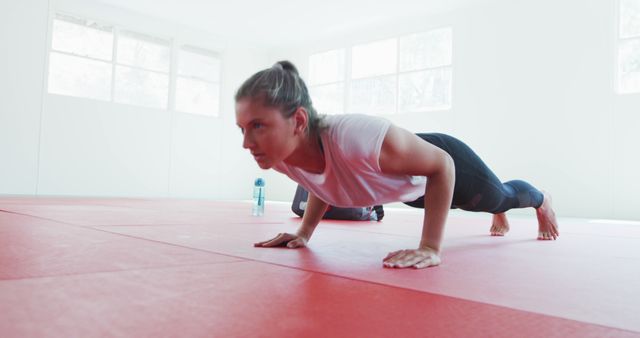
(287,240)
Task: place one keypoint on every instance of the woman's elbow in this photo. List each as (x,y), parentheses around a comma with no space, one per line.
(444,169)
(448,167)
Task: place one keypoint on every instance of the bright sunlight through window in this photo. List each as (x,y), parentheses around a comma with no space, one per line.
(108,63)
(408,74)
(629,47)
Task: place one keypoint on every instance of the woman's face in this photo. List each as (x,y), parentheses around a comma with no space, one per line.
(269,136)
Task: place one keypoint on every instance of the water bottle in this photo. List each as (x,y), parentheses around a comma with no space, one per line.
(258,197)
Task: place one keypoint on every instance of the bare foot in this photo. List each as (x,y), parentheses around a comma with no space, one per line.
(499,225)
(547,223)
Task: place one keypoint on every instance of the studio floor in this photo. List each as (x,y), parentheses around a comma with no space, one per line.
(73,267)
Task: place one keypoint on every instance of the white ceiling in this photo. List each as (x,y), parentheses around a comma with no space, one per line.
(281,22)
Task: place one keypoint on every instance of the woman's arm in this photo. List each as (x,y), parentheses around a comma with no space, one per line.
(404,153)
(312,215)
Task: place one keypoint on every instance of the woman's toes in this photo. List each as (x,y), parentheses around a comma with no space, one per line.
(546,236)
(497,230)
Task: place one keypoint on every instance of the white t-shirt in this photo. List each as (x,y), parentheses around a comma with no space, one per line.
(352,175)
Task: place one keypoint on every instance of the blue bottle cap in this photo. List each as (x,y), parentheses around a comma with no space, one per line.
(259,182)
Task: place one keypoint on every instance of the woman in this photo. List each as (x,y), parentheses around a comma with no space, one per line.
(359,160)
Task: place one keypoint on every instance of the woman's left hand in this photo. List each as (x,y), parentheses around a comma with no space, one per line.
(416,258)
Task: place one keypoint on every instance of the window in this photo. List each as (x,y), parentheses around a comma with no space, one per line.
(629,47)
(326,81)
(198,82)
(113,64)
(411,73)
(142,70)
(80,58)
(425,71)
(373,77)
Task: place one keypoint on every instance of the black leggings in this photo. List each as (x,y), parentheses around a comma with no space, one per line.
(477,188)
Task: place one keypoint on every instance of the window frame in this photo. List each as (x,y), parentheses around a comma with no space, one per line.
(173,43)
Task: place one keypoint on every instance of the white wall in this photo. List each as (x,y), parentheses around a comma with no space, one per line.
(533,94)
(58,145)
(23,31)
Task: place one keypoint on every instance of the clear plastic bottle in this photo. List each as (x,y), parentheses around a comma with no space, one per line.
(258,197)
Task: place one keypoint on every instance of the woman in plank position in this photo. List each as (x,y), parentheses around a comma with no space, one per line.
(358,160)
